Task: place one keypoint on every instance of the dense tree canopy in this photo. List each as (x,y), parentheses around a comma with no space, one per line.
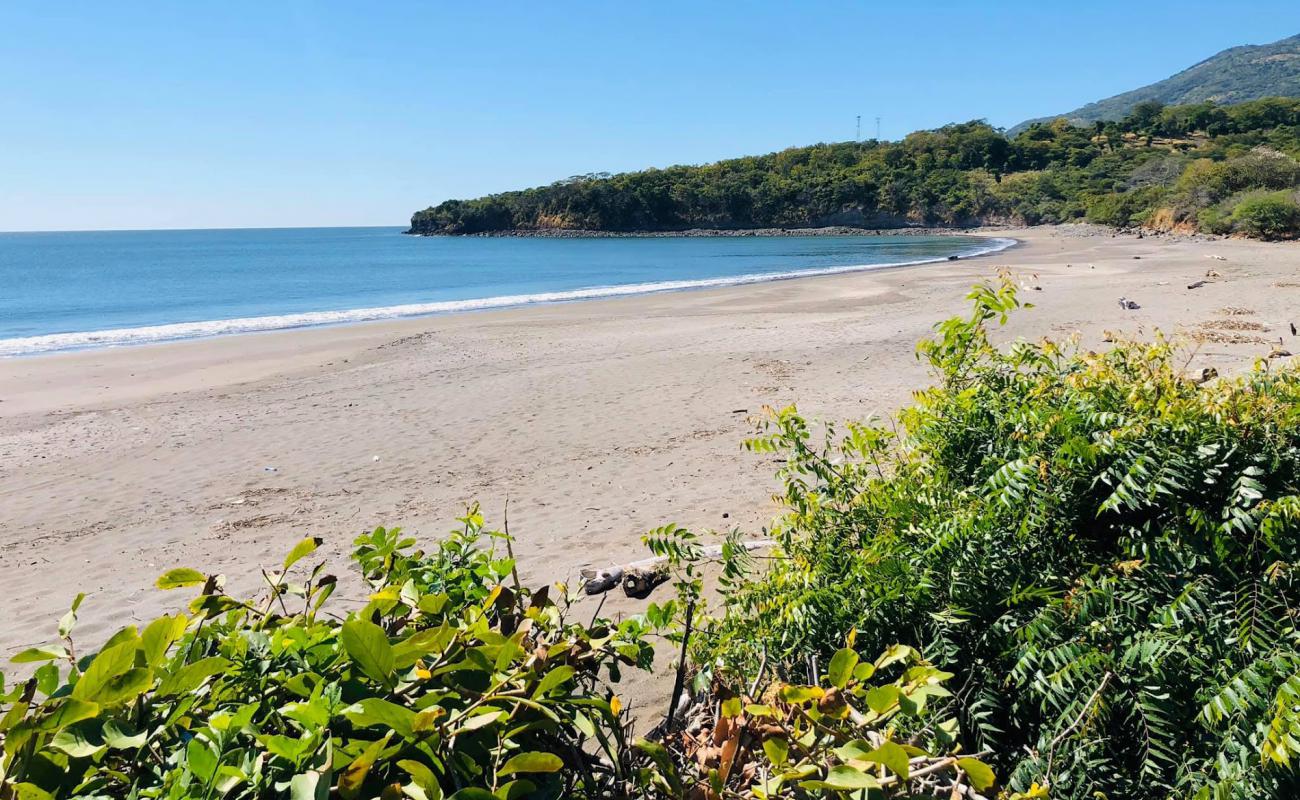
(1188,166)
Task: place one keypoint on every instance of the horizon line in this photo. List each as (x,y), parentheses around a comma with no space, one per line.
(182,230)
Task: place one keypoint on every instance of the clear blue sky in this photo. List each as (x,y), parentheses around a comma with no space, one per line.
(283,112)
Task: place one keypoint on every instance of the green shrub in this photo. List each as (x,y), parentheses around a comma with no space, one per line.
(1102,551)
(1214,220)
(1268,216)
(451,679)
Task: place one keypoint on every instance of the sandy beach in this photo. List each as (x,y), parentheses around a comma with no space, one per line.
(598,420)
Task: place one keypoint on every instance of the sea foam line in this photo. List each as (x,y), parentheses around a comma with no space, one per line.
(32,345)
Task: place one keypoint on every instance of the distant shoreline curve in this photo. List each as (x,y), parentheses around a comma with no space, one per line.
(119,337)
(829,230)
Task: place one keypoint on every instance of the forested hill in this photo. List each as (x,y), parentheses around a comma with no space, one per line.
(1220,169)
(1230,76)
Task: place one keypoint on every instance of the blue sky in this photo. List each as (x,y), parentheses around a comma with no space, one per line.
(165,115)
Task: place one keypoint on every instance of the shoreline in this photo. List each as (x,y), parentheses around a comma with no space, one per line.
(706,233)
(598,420)
(77,341)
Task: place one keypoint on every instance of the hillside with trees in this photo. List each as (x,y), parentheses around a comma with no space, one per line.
(1217,169)
(1234,75)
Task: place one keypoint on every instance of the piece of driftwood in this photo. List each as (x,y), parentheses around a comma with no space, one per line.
(639,578)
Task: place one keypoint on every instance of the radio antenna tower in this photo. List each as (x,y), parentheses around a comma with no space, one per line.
(858,138)
(877,129)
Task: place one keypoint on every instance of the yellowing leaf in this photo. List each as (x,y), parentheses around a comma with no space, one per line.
(801,694)
(615,705)
(301,550)
(180,578)
(354,775)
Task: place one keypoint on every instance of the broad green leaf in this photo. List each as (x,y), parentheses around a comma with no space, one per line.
(301,550)
(290,748)
(200,759)
(981,775)
(179,578)
(191,676)
(777,750)
(532,762)
(893,654)
(843,778)
(853,749)
(515,790)
(477,721)
(33,655)
(892,756)
(840,670)
(30,791)
(473,793)
(308,786)
(731,707)
(431,641)
(552,679)
(119,735)
(70,711)
(797,695)
(124,688)
(881,699)
(78,741)
(159,635)
(376,711)
(110,664)
(367,645)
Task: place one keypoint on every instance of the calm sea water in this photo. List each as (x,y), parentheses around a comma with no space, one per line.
(73,290)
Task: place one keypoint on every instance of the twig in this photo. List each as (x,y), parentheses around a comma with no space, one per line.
(680,680)
(762,667)
(510,551)
(1051,746)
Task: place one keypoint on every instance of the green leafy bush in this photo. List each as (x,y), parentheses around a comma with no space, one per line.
(451,681)
(447,682)
(1268,216)
(1101,550)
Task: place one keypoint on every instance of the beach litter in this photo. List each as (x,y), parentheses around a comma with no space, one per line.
(1128,305)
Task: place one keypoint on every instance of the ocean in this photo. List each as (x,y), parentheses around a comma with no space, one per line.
(61,291)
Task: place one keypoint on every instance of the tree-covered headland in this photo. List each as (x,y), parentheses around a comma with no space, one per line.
(1208,168)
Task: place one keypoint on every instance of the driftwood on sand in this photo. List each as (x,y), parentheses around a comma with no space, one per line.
(639,578)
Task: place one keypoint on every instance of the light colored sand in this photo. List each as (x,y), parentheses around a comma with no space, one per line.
(599,420)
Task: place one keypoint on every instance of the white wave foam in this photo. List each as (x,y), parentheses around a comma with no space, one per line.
(31,345)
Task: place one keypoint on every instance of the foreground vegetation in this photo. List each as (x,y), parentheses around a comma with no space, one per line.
(1058,574)
(451,681)
(1229,169)
(1101,550)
